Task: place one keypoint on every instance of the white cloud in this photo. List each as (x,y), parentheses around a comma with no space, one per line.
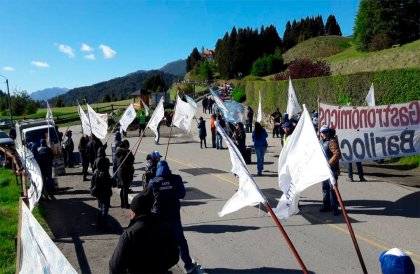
(108,52)
(86,47)
(8,68)
(90,56)
(40,64)
(67,50)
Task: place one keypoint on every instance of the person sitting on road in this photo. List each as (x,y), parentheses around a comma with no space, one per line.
(396,261)
(147,245)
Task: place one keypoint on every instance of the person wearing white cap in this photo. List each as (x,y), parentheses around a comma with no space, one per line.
(396,261)
(332,151)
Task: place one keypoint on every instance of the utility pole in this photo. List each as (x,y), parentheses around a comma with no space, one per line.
(10,102)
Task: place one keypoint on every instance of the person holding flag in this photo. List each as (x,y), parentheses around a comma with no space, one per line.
(142,123)
(333,154)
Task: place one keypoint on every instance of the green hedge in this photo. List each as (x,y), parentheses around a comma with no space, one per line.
(391,87)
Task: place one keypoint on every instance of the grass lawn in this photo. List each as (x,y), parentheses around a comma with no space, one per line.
(9,207)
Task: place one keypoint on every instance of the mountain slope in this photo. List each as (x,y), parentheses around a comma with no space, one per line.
(47,93)
(177,68)
(117,88)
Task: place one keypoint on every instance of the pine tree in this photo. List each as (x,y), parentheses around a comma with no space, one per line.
(332,27)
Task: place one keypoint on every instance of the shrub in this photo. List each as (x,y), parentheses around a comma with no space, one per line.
(380,42)
(267,65)
(305,68)
(238,95)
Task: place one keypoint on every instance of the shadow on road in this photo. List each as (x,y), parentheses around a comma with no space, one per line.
(217,229)
(263,270)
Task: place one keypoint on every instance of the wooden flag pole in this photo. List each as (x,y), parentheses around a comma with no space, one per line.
(353,237)
(136,144)
(283,232)
(172,125)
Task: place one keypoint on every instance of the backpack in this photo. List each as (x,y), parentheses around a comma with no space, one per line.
(101,184)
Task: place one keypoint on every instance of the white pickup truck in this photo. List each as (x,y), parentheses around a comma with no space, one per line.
(28,131)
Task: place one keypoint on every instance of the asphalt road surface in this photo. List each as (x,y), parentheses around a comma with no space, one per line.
(384,213)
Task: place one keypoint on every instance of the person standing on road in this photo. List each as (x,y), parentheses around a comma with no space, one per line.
(332,151)
(168,189)
(101,187)
(276,115)
(239,137)
(213,130)
(45,162)
(359,172)
(68,148)
(288,130)
(92,149)
(221,122)
(114,146)
(147,245)
(259,137)
(84,158)
(250,116)
(125,161)
(205,104)
(151,167)
(202,132)
(142,123)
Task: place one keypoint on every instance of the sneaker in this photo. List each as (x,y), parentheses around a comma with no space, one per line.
(191,268)
(363,179)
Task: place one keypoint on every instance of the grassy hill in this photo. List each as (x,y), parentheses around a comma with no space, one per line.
(351,61)
(318,47)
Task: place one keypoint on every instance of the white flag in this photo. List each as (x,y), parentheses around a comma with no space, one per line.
(49,117)
(259,113)
(32,168)
(293,106)
(39,252)
(156,118)
(85,121)
(370,98)
(184,113)
(302,163)
(98,125)
(191,101)
(128,117)
(146,108)
(248,193)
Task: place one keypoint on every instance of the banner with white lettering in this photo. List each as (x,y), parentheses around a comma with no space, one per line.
(39,253)
(34,174)
(370,133)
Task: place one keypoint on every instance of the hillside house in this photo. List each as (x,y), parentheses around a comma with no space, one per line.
(140,94)
(208,54)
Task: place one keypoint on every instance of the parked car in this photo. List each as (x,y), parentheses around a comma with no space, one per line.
(5,123)
(5,140)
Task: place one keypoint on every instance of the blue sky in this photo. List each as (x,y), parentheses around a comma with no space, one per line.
(76,43)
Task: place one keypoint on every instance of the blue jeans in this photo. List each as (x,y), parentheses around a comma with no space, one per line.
(103,205)
(329,198)
(184,251)
(219,141)
(260,151)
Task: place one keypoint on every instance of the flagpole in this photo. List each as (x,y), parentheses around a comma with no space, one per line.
(273,216)
(353,237)
(90,124)
(80,117)
(283,232)
(172,125)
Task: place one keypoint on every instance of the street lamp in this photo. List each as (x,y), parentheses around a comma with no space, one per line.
(10,102)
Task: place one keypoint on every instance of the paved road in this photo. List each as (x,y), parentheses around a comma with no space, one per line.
(383,215)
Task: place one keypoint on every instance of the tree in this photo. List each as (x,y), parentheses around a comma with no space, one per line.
(380,24)
(193,59)
(59,102)
(332,27)
(155,83)
(206,71)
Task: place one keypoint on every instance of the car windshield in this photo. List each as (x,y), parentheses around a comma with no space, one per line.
(35,136)
(3,134)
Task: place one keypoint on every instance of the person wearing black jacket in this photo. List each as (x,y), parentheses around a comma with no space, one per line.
(125,162)
(167,189)
(147,245)
(101,187)
(92,149)
(84,158)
